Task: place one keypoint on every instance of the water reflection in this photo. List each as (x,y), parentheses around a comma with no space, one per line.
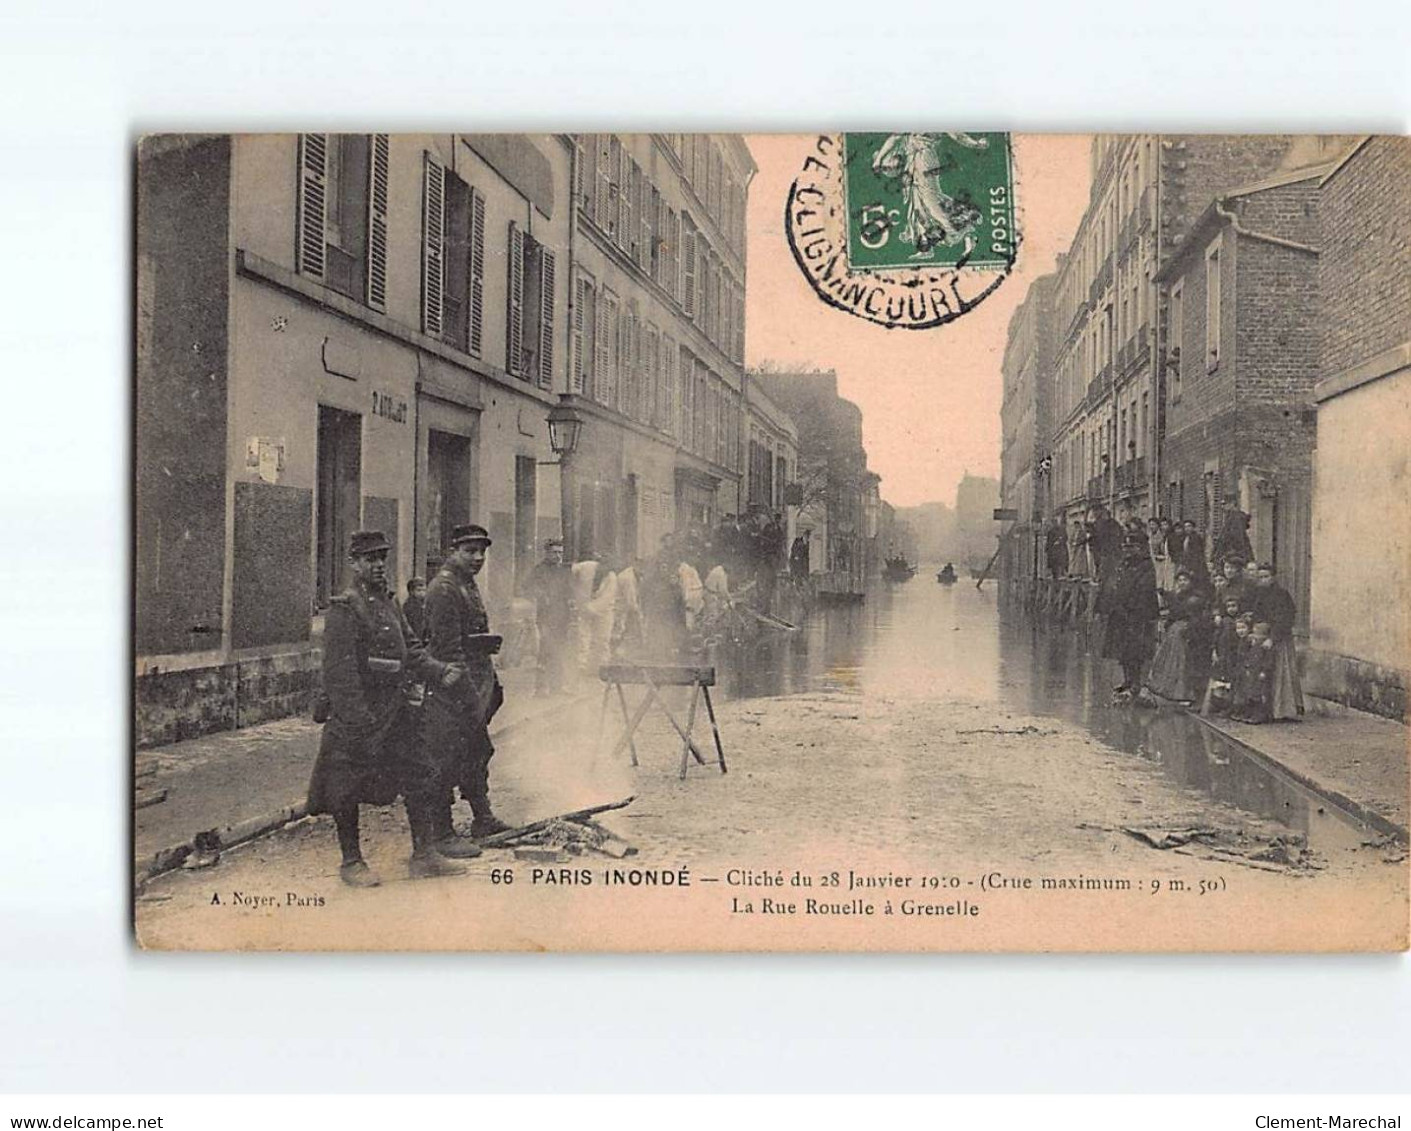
(927,641)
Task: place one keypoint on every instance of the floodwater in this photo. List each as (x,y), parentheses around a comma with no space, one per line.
(920,639)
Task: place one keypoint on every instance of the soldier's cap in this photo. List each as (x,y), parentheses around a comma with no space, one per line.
(470,533)
(368,542)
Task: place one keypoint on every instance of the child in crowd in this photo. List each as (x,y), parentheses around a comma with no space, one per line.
(1225,657)
(1256,675)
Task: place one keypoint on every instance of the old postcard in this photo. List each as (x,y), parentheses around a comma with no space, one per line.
(938,541)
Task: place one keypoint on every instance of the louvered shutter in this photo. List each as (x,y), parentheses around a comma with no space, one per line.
(377,222)
(433,246)
(688,271)
(601,377)
(646,221)
(310,253)
(581,142)
(627,188)
(615,188)
(580,300)
(477,272)
(602,194)
(546,318)
(514,308)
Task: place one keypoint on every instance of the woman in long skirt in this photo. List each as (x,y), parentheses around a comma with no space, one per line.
(1275,607)
(1174,670)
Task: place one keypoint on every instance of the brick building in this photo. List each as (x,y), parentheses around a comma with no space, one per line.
(1242,344)
(1360,645)
(1147,191)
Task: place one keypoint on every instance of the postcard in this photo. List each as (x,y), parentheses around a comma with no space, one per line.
(941,541)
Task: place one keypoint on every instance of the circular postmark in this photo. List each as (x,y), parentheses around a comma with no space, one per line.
(909,231)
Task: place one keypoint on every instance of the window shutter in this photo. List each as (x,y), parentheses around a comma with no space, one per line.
(645,223)
(688,271)
(580,300)
(602,194)
(581,144)
(613,204)
(377,223)
(546,318)
(627,189)
(477,272)
(601,377)
(313,204)
(433,246)
(514,329)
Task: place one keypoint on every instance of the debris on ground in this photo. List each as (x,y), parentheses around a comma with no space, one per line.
(1010,730)
(146,797)
(554,839)
(1169,838)
(205,851)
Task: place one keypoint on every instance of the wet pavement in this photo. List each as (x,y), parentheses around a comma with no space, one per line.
(923,640)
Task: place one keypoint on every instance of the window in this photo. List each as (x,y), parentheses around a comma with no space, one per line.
(1177,338)
(1212,306)
(463,291)
(584,338)
(341,229)
(514,303)
(537,306)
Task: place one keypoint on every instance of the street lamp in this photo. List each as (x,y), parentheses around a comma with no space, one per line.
(564,426)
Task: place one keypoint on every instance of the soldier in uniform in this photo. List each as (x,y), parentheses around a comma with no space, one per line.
(552,586)
(370,749)
(456,719)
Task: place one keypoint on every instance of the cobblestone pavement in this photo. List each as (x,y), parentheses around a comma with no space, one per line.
(977,826)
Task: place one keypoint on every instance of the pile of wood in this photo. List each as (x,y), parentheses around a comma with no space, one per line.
(554,840)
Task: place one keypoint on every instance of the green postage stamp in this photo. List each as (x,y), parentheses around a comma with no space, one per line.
(929,200)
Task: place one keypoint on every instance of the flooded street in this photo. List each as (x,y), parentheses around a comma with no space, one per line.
(922,754)
(922,640)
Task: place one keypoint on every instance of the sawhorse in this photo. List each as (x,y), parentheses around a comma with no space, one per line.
(654,677)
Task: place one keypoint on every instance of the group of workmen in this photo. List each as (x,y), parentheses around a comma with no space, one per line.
(406,708)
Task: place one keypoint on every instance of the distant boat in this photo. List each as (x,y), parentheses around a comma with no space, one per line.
(946,576)
(898,569)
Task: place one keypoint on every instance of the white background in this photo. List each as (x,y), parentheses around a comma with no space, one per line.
(81,1010)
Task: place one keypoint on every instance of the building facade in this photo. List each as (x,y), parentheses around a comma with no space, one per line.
(334,331)
(1241,346)
(1109,378)
(1360,640)
(771,460)
(839,498)
(657,338)
(1026,425)
(338,331)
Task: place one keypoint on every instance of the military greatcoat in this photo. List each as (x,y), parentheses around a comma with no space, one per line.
(456,719)
(369,751)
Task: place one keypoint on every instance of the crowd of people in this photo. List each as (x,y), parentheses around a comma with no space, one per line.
(699,583)
(1221,638)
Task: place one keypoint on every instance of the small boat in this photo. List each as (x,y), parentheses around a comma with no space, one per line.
(946,576)
(898,569)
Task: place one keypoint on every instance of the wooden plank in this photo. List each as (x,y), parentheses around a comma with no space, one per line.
(671,675)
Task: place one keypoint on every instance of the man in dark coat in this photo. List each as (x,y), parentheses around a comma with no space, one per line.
(1056,549)
(457,719)
(414,607)
(1129,612)
(370,751)
(1105,537)
(551,585)
(1233,536)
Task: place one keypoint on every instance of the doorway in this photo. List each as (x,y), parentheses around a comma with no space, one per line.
(526,518)
(337,507)
(447,492)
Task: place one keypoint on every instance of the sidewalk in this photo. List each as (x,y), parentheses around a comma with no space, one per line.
(243,783)
(1356,760)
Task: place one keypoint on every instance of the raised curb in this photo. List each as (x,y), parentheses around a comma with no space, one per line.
(173,856)
(1363,813)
